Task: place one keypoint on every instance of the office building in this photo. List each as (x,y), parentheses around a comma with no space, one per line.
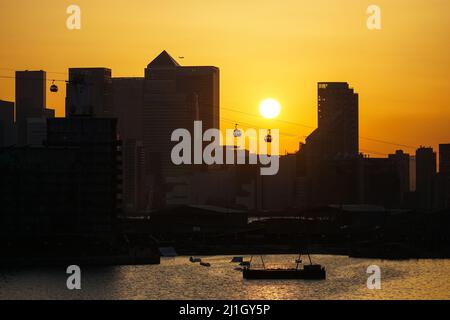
(330,157)
(135,193)
(127,108)
(402,163)
(174,97)
(99,166)
(426,177)
(338,119)
(89,92)
(30,100)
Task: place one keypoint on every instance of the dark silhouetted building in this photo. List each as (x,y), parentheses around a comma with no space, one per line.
(331,153)
(383,182)
(402,163)
(278,192)
(7,126)
(174,97)
(69,187)
(444,177)
(98,163)
(37,128)
(135,194)
(338,118)
(40,191)
(127,105)
(426,177)
(30,101)
(444,158)
(89,92)
(148,110)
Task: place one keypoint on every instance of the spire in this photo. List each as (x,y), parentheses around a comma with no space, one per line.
(163,60)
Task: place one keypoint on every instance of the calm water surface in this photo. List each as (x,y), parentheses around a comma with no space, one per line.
(179,279)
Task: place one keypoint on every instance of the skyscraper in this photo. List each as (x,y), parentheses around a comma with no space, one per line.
(89,92)
(338,118)
(174,97)
(127,101)
(426,177)
(332,162)
(127,105)
(30,99)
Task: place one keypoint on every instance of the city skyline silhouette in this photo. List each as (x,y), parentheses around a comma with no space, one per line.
(250,119)
(153,149)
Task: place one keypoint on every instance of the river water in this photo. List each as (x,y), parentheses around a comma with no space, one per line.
(177,278)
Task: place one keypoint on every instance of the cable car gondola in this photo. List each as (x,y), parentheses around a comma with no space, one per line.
(53,87)
(237,133)
(268,138)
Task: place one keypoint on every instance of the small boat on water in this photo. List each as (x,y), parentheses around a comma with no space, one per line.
(312,272)
(245,264)
(308,272)
(241,261)
(195,260)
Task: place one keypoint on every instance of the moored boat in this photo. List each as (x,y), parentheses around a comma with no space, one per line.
(308,272)
(195,260)
(311,272)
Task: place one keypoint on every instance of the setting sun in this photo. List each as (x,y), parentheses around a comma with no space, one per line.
(270,108)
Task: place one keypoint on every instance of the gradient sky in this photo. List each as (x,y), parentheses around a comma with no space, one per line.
(264,48)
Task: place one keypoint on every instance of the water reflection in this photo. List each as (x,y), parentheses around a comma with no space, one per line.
(179,279)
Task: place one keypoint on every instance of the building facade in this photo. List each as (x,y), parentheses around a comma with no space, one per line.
(444,177)
(331,161)
(89,92)
(174,97)
(98,163)
(30,100)
(426,162)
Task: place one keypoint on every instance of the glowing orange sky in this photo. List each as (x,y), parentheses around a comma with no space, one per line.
(264,48)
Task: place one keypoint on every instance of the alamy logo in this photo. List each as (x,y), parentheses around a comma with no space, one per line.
(374,19)
(74,280)
(214,152)
(374,281)
(74,20)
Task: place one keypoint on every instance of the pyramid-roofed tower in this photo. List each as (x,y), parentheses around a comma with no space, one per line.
(163,60)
